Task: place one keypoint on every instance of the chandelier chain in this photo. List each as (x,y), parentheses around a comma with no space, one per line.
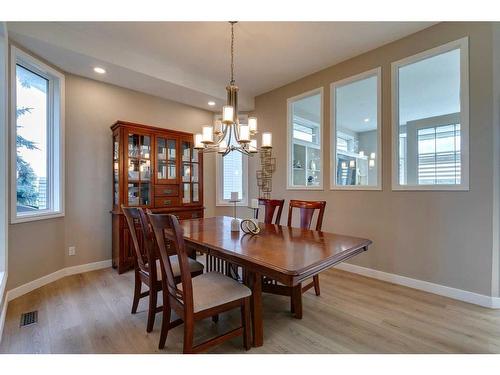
(232,52)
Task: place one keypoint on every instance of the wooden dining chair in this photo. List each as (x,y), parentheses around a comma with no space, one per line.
(270,207)
(307,210)
(196,298)
(145,255)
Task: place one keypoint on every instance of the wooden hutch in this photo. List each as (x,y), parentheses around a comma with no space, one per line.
(153,168)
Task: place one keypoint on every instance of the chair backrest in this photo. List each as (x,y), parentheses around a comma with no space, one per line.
(167,228)
(307,209)
(270,206)
(141,237)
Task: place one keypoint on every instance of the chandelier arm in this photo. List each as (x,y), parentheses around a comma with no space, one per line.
(236,133)
(243,151)
(208,150)
(222,136)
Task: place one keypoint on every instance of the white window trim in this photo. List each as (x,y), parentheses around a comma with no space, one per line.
(463,45)
(218,180)
(57,182)
(289,130)
(4,146)
(377,72)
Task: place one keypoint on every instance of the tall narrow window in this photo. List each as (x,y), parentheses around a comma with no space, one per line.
(430,120)
(37,128)
(356,136)
(305,158)
(232,174)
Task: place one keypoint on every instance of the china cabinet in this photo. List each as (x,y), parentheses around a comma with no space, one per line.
(153,168)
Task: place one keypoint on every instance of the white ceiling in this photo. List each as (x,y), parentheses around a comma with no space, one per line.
(189,61)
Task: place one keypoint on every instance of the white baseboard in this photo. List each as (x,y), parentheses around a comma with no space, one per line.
(44,280)
(47,279)
(459,294)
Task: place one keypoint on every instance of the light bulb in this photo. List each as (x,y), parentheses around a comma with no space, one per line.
(208,135)
(371,163)
(198,141)
(218,127)
(252,124)
(253,146)
(244,133)
(372,155)
(361,153)
(227,114)
(267,140)
(351,164)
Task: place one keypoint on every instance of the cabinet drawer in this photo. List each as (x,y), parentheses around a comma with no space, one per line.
(166,202)
(182,215)
(166,190)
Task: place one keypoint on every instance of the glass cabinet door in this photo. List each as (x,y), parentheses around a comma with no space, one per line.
(166,160)
(139,170)
(116,166)
(190,172)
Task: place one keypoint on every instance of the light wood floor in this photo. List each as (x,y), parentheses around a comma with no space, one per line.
(90,313)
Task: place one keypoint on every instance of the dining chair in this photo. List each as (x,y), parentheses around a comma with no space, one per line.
(307,210)
(270,207)
(145,255)
(196,298)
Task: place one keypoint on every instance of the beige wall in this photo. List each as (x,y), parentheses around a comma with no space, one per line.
(39,248)
(496,156)
(440,237)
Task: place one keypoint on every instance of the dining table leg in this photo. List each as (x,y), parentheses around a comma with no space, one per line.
(297,301)
(255,281)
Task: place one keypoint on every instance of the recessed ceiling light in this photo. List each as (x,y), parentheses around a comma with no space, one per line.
(366,119)
(99,70)
(211,103)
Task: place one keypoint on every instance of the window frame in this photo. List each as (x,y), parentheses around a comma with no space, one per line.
(463,45)
(219,183)
(289,136)
(377,72)
(4,157)
(55,138)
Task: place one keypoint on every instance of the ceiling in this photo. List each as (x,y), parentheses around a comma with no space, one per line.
(189,61)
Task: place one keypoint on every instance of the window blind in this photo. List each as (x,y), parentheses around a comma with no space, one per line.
(439,155)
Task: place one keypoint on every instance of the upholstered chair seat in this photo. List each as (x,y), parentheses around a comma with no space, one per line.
(194,266)
(214,289)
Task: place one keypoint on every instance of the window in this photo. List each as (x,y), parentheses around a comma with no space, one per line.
(356,136)
(305,159)
(431,119)
(232,175)
(37,128)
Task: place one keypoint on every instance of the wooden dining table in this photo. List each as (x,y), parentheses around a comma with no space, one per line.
(286,254)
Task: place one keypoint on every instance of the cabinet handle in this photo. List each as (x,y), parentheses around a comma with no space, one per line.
(167,191)
(167,202)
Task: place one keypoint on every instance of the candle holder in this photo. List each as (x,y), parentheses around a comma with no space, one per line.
(235,223)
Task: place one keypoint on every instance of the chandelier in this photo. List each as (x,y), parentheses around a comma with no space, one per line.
(228,134)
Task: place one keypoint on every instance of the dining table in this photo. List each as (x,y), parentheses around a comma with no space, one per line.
(288,255)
